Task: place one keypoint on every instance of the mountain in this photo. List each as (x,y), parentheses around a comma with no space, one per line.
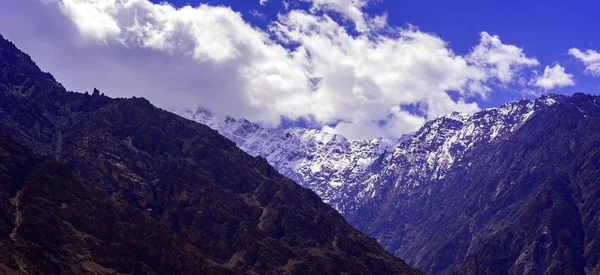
(508,190)
(120,186)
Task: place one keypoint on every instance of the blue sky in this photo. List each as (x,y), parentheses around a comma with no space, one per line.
(546,29)
(360,68)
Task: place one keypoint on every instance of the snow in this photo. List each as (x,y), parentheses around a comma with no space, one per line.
(345,173)
(549,101)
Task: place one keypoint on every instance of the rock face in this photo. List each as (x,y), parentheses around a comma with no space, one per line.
(508,190)
(150,191)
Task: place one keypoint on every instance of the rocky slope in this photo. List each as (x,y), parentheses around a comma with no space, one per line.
(170,189)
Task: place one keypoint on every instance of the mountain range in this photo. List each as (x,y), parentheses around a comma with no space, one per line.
(98,185)
(349,173)
(508,190)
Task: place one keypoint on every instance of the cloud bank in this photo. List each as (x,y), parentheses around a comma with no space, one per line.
(359,81)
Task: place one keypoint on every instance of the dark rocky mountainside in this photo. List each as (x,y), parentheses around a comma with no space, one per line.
(528,203)
(54,223)
(141,190)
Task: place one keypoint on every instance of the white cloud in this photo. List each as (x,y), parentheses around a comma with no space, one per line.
(350,9)
(590,58)
(399,122)
(306,65)
(501,60)
(258,15)
(554,77)
(264,2)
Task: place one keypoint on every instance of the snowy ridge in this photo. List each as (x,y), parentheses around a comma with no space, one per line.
(431,151)
(347,173)
(317,160)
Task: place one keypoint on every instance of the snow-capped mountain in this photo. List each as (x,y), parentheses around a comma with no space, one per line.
(347,173)
(430,151)
(324,162)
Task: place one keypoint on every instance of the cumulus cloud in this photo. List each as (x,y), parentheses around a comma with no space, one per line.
(350,9)
(590,58)
(554,77)
(501,60)
(304,66)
